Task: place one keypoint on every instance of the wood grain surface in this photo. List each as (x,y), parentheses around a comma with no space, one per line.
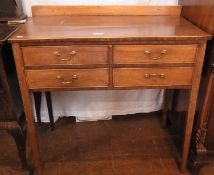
(137,77)
(65,55)
(84,78)
(107,28)
(44,10)
(151,54)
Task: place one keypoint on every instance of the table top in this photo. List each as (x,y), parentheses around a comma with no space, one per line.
(107,28)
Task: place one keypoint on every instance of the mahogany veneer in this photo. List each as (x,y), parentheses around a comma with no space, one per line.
(175,61)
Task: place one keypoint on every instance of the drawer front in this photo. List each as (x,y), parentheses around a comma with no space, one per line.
(68,55)
(142,54)
(137,77)
(73,78)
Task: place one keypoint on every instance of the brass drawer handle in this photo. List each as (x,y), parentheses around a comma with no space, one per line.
(154,75)
(149,53)
(62,80)
(70,55)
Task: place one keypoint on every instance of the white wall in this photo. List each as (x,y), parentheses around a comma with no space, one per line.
(28,3)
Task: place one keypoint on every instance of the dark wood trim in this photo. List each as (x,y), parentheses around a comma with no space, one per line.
(38,99)
(50,109)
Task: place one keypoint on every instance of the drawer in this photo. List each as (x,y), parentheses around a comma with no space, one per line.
(76,78)
(68,55)
(137,77)
(142,54)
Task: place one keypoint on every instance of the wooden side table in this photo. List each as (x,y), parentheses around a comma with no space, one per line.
(126,50)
